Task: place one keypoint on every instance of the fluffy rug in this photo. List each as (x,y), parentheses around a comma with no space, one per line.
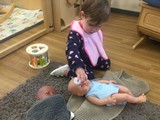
(14,105)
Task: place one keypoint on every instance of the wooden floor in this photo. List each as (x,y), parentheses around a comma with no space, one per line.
(119,36)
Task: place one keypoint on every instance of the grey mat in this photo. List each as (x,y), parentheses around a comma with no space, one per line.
(14,105)
(84,109)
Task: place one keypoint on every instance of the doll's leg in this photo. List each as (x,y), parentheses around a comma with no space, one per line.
(123,89)
(123,97)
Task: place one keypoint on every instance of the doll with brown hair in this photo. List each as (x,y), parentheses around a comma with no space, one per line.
(45,92)
(49,106)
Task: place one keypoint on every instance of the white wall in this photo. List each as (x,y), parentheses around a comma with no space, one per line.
(131,5)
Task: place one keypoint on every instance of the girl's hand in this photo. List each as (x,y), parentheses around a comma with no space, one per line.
(81,74)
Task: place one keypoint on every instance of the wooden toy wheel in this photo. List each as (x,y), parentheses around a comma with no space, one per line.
(71,1)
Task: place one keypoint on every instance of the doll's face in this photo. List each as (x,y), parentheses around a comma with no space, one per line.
(79,90)
(45,92)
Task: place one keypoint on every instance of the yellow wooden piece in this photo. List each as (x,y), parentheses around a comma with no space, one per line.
(7,12)
(139,42)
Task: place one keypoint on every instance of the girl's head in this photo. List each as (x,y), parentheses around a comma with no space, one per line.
(94,13)
(79,90)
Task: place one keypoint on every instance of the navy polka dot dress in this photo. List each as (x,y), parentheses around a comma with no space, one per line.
(77,57)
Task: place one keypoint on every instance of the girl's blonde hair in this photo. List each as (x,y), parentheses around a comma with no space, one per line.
(97,11)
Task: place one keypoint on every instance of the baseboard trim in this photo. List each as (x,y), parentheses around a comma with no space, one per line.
(127,12)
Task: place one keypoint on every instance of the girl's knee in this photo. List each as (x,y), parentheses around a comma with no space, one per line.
(107,64)
(103,64)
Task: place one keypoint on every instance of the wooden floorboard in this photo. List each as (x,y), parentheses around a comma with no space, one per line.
(119,36)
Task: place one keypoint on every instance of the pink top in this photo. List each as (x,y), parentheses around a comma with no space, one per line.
(93,43)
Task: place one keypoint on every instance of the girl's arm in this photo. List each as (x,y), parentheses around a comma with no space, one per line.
(73,53)
(74,44)
(104,101)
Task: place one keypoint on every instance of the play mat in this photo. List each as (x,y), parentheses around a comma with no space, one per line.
(19,21)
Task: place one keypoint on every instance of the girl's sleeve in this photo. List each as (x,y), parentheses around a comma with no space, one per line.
(74,45)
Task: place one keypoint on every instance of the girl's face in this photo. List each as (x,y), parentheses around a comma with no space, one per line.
(88,26)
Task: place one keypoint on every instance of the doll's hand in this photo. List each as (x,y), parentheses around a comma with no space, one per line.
(81,74)
(111,100)
(112,81)
(107,81)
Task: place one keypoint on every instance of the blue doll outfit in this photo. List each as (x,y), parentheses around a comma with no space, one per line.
(101,90)
(78,54)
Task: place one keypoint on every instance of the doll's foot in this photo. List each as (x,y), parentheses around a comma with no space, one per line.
(141,99)
(61,71)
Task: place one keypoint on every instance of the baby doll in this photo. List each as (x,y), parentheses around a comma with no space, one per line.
(49,106)
(104,92)
(45,92)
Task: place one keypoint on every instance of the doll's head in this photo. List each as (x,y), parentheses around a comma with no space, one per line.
(45,92)
(78,89)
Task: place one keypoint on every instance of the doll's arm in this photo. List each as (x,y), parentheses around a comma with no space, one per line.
(107,81)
